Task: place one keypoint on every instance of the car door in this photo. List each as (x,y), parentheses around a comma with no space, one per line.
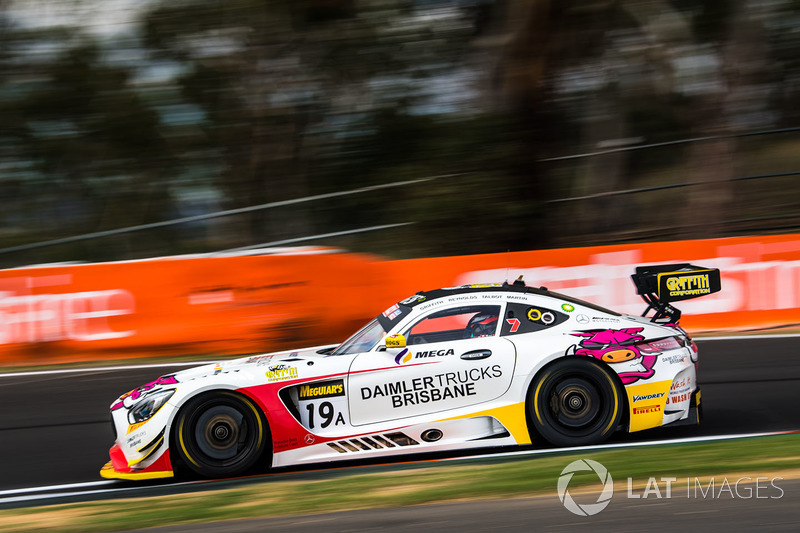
(454,358)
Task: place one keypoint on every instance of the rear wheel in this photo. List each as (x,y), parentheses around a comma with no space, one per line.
(575,402)
(220,434)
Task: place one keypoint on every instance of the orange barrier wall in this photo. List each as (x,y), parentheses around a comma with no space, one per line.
(760,277)
(198,305)
(250,303)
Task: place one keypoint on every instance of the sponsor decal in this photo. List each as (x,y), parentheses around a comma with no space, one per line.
(618,348)
(546,317)
(417,298)
(136,438)
(403,357)
(395,341)
(463,298)
(568,307)
(393,312)
(134,427)
(679,385)
(309,439)
(604,319)
(431,304)
(514,322)
(427,389)
(127,399)
(281,373)
(325,389)
(655,408)
(674,359)
(679,398)
(688,285)
(434,353)
(259,358)
(582,319)
(640,397)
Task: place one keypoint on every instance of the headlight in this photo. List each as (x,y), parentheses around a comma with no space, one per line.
(149,406)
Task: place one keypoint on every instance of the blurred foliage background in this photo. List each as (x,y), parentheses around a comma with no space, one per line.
(118,113)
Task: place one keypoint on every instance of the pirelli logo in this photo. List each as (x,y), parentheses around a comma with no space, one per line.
(646,409)
(323,389)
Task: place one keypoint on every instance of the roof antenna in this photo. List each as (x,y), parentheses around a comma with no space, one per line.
(508,262)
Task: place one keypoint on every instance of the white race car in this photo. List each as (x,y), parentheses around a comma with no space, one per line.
(462,367)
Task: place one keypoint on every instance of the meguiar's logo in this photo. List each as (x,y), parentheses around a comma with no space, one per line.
(324,389)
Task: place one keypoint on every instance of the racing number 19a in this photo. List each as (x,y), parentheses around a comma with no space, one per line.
(326,412)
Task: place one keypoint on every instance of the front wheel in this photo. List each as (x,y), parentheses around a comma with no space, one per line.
(220,434)
(575,403)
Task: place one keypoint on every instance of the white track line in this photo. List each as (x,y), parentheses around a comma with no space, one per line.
(57,487)
(23,495)
(601,447)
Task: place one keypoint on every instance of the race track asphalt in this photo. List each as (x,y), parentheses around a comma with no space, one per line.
(55,428)
(778,510)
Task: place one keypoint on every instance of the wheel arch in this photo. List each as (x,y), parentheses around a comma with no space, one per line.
(171,435)
(552,361)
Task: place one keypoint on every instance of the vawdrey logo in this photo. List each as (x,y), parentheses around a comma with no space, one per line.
(603,500)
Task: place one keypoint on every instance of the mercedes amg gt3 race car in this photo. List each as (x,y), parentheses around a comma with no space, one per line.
(462,367)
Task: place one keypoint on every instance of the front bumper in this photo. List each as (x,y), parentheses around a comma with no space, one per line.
(118,468)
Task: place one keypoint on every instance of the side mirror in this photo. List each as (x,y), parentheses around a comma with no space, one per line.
(395,341)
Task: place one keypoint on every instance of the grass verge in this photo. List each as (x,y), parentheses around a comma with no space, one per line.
(417,484)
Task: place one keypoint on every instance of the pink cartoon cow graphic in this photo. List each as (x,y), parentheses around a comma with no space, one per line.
(623,349)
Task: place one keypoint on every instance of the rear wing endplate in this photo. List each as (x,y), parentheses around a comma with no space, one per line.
(659,285)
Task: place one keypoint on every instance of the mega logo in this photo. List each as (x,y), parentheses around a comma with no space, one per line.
(434,353)
(326,389)
(403,357)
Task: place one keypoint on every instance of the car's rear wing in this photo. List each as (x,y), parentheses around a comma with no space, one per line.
(661,284)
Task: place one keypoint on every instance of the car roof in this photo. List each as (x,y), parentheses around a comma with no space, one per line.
(403,308)
(517,286)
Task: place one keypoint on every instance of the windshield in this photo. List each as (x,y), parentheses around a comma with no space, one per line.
(363,341)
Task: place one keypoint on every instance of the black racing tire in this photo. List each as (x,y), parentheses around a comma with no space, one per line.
(220,434)
(575,402)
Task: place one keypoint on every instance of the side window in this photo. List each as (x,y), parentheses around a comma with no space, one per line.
(464,322)
(526,318)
